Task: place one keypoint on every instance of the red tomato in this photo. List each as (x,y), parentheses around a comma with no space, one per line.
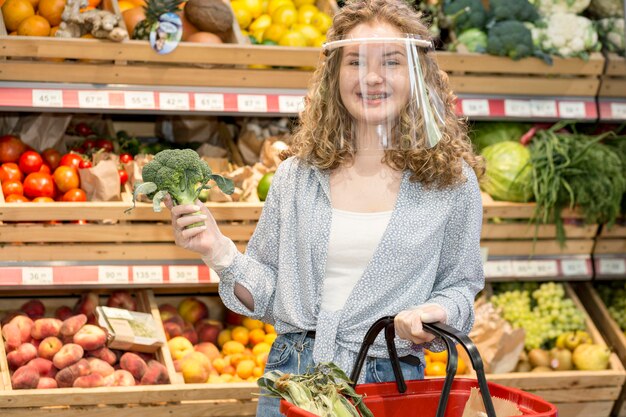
(51,157)
(30,161)
(89,144)
(38,184)
(83,129)
(125,158)
(9,171)
(12,187)
(11,147)
(16,198)
(75,194)
(105,144)
(45,168)
(66,178)
(43,200)
(71,160)
(123,176)
(84,164)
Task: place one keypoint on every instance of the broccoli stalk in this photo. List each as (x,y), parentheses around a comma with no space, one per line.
(181,174)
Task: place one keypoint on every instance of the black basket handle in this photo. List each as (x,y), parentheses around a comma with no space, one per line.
(449,335)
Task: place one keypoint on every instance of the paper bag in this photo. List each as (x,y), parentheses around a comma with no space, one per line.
(40,131)
(475,407)
(102,182)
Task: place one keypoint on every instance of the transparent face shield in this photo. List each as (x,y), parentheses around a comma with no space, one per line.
(382,85)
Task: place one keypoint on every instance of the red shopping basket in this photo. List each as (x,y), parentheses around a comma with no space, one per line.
(440,397)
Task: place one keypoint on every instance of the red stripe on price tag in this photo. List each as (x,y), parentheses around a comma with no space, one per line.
(16,97)
(10,276)
(230,102)
(272,104)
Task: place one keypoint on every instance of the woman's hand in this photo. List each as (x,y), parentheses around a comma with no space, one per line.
(408,323)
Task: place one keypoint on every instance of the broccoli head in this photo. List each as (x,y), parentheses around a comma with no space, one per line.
(520,10)
(465,14)
(510,38)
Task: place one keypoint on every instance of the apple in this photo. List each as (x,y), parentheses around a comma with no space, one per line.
(208,330)
(192,310)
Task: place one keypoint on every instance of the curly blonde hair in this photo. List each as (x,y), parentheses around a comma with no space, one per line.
(325,118)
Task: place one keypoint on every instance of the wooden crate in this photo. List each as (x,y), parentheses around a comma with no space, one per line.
(611,240)
(614,78)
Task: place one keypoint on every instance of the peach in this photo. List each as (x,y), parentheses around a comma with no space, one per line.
(122,378)
(68,355)
(72,325)
(208,349)
(49,347)
(192,310)
(172,330)
(167,308)
(175,318)
(90,337)
(122,299)
(20,357)
(25,324)
(63,313)
(44,366)
(43,328)
(12,336)
(190,334)
(132,363)
(87,304)
(25,377)
(98,366)
(66,376)
(47,383)
(179,347)
(208,330)
(105,354)
(10,315)
(34,309)
(193,370)
(89,381)
(156,374)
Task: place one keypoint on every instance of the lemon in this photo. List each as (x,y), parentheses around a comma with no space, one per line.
(306,13)
(285,15)
(260,23)
(245,33)
(293,38)
(274,32)
(275,4)
(258,35)
(242,14)
(264,4)
(319,41)
(264,185)
(255,7)
(300,3)
(308,31)
(322,21)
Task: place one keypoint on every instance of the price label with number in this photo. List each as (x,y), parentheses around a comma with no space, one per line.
(524,269)
(183,274)
(574,267)
(93,99)
(113,274)
(546,268)
(612,266)
(251,103)
(618,111)
(543,108)
(147,274)
(139,100)
(475,107)
(174,101)
(47,98)
(517,108)
(498,269)
(290,104)
(37,276)
(209,102)
(572,109)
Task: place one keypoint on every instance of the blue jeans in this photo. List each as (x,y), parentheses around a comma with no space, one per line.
(293,353)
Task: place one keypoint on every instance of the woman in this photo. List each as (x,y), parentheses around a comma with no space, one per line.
(378,211)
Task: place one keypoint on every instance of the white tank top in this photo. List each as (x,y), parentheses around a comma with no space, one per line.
(353,239)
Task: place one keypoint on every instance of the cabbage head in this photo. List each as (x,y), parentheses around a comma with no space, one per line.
(484,134)
(508,175)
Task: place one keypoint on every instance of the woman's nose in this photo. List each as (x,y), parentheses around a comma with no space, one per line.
(373,77)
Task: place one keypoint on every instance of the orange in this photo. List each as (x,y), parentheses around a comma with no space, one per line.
(229,369)
(223,337)
(269,328)
(236,358)
(261,359)
(53,30)
(125,5)
(245,368)
(435,369)
(34,26)
(257,336)
(34,3)
(188,28)
(204,37)
(52,10)
(94,3)
(219,364)
(232,347)
(261,348)
(252,324)
(270,337)
(15,11)
(439,356)
(241,335)
(461,367)
(226,377)
(257,372)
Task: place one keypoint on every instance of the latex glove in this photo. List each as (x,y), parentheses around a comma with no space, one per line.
(217,250)
(408,323)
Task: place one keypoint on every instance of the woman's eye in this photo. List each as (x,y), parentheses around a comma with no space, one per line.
(392,63)
(356,63)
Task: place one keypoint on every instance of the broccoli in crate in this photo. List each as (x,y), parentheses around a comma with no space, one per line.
(181,174)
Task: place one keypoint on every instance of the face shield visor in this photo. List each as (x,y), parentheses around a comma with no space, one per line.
(383,88)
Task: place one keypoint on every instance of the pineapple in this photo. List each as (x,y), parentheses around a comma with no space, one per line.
(154,9)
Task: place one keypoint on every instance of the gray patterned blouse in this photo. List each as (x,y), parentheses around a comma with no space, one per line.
(429,253)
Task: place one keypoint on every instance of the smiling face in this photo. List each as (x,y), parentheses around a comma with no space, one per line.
(374,77)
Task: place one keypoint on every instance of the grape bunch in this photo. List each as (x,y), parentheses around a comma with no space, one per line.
(614,296)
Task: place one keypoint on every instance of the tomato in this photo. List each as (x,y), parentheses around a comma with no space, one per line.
(16,198)
(45,168)
(89,144)
(75,194)
(123,176)
(71,160)
(30,161)
(11,147)
(38,184)
(12,187)
(43,200)
(9,171)
(83,129)
(105,144)
(66,178)
(51,157)
(84,164)
(125,158)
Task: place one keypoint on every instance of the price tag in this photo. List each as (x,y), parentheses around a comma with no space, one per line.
(139,100)
(543,108)
(484,254)
(572,109)
(147,274)
(574,267)
(47,98)
(250,103)
(209,102)
(113,274)
(524,269)
(546,268)
(612,266)
(183,274)
(37,276)
(517,108)
(93,99)
(475,107)
(174,101)
(618,111)
(290,104)
(498,269)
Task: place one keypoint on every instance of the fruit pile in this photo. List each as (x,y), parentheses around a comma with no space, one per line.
(194,338)
(34,17)
(436,363)
(613,294)
(68,350)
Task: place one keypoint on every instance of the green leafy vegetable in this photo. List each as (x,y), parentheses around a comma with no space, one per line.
(520,10)
(484,134)
(508,172)
(465,14)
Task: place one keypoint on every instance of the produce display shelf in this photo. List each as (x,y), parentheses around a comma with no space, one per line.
(610,265)
(613,85)
(565,268)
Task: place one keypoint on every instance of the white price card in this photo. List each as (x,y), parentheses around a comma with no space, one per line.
(147,274)
(543,108)
(143,100)
(93,99)
(174,101)
(524,269)
(37,276)
(183,274)
(290,104)
(572,109)
(475,107)
(546,268)
(618,111)
(610,266)
(574,267)
(47,98)
(113,274)
(209,102)
(251,103)
(498,269)
(517,108)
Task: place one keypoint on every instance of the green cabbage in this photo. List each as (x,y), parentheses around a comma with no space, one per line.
(487,133)
(475,40)
(509,173)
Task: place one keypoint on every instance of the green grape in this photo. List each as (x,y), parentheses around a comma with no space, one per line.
(613,294)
